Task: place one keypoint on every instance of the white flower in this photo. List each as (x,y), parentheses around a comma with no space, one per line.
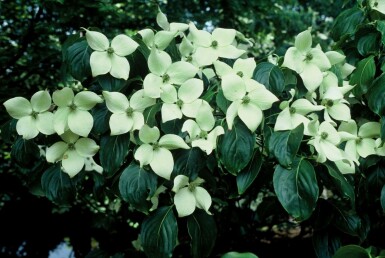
(164,74)
(247,105)
(126,115)
(91,165)
(306,61)
(335,105)
(185,102)
(156,152)
(72,152)
(72,112)
(211,46)
(190,195)
(295,114)
(110,58)
(378,5)
(325,142)
(33,116)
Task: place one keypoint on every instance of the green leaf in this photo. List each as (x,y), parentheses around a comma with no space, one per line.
(188,162)
(77,58)
(325,243)
(222,102)
(368,44)
(239,255)
(344,188)
(380,25)
(136,185)
(270,76)
(7,130)
(25,152)
(382,198)
(375,179)
(284,145)
(382,133)
(351,251)
(109,83)
(363,76)
(235,147)
(150,114)
(159,233)
(57,185)
(203,232)
(101,117)
(346,23)
(350,223)
(250,173)
(297,188)
(113,151)
(376,96)
(172,127)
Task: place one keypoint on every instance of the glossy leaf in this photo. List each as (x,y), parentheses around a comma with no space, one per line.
(346,23)
(380,25)
(159,233)
(284,145)
(110,83)
(363,76)
(101,117)
(368,44)
(136,185)
(113,151)
(77,58)
(271,76)
(203,232)
(150,114)
(247,176)
(382,198)
(351,251)
(236,147)
(325,244)
(239,255)
(297,188)
(57,185)
(24,152)
(188,162)
(376,96)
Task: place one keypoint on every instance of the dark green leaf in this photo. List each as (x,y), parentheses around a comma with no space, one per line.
(7,130)
(222,102)
(77,58)
(172,127)
(351,251)
(236,147)
(350,223)
(380,25)
(136,185)
(57,185)
(159,233)
(150,114)
(368,44)
(346,23)
(382,121)
(239,255)
(189,162)
(113,151)
(250,173)
(109,83)
(376,96)
(344,188)
(284,145)
(325,244)
(297,188)
(25,152)
(363,76)
(382,198)
(101,119)
(376,179)
(270,76)
(203,232)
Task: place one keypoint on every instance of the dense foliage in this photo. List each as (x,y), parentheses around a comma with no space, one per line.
(184,141)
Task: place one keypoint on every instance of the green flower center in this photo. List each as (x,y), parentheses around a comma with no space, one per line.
(292,110)
(179,103)
(129,111)
(34,114)
(166,78)
(155,146)
(375,4)
(214,44)
(359,140)
(324,135)
(72,107)
(329,103)
(71,146)
(203,134)
(110,50)
(246,100)
(308,57)
(240,74)
(189,59)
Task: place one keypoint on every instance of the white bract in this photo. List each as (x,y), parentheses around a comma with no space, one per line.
(72,152)
(378,5)
(188,196)
(164,74)
(72,112)
(156,152)
(33,116)
(110,58)
(211,46)
(126,115)
(335,105)
(247,105)
(308,62)
(184,102)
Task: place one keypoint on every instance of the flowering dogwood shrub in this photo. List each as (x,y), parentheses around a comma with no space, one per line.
(187,121)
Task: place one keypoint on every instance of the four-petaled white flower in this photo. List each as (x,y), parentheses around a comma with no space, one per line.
(185,102)
(72,112)
(127,115)
(156,152)
(308,62)
(164,74)
(33,116)
(335,105)
(110,58)
(211,46)
(72,152)
(188,196)
(247,105)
